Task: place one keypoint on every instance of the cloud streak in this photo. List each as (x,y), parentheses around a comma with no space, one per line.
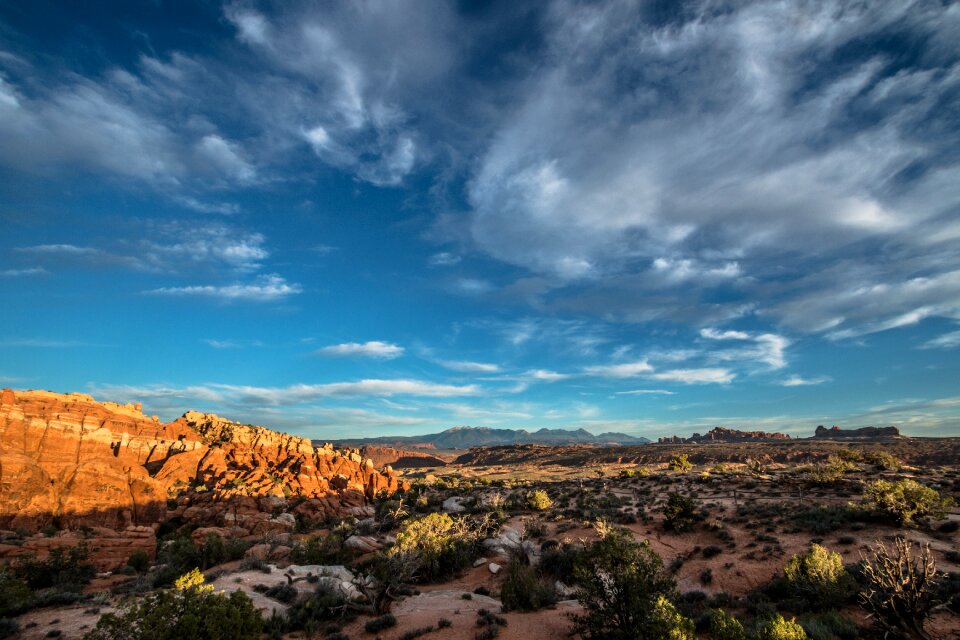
(372,349)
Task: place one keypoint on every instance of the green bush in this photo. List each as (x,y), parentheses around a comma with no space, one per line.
(65,569)
(523,589)
(15,595)
(724,626)
(625,593)
(819,577)
(190,610)
(560,560)
(322,549)
(907,499)
(829,625)
(777,628)
(538,500)
(385,621)
(883,461)
(442,546)
(139,561)
(679,514)
(680,463)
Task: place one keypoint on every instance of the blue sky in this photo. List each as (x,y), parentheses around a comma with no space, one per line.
(369,218)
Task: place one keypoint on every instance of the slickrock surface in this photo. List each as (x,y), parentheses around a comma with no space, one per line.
(68,461)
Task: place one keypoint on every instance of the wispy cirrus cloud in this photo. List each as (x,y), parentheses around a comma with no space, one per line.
(265,288)
(19,273)
(371,349)
(295,394)
(467,366)
(949,340)
(800,381)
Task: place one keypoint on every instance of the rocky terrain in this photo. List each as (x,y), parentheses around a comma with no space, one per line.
(500,542)
(401,459)
(68,461)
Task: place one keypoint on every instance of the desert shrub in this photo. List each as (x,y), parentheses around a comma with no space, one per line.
(523,589)
(679,514)
(711,551)
(560,560)
(323,609)
(322,549)
(907,499)
(385,621)
(534,529)
(830,472)
(15,595)
(65,569)
(191,610)
(680,463)
(215,550)
(538,500)
(139,561)
(625,592)
(819,577)
(283,592)
(724,626)
(900,592)
(443,546)
(706,576)
(829,625)
(627,473)
(883,461)
(777,628)
(413,634)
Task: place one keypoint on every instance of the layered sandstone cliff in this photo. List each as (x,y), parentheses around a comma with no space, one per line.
(67,460)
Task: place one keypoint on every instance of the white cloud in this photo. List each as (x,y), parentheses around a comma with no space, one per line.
(472,286)
(444,259)
(645,392)
(714,334)
(769,348)
(466,366)
(946,341)
(545,375)
(264,288)
(18,273)
(696,376)
(725,150)
(623,370)
(59,249)
(372,349)
(300,393)
(799,381)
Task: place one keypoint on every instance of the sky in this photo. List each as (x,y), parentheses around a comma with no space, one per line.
(345,219)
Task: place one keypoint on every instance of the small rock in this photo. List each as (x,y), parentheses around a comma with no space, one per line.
(494,568)
(479,562)
(563,590)
(452,505)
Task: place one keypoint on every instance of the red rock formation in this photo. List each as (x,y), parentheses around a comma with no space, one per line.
(723,434)
(863,432)
(67,460)
(400,458)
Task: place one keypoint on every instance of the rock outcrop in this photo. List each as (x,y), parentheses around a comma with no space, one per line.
(723,434)
(863,432)
(68,461)
(400,458)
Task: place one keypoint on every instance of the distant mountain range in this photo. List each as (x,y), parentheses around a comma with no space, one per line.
(467,437)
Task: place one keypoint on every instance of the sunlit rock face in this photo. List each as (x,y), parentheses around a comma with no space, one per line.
(67,460)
